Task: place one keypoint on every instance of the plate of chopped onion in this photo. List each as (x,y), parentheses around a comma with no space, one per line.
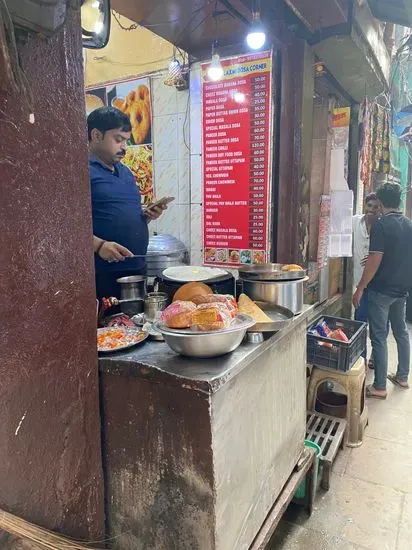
(111,339)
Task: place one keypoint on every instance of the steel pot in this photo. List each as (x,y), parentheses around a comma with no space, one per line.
(164,251)
(132,307)
(154,304)
(288,294)
(133,287)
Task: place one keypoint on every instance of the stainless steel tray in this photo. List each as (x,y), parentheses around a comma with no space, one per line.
(281,316)
(269,272)
(242,322)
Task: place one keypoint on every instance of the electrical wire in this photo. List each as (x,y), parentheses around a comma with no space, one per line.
(123,64)
(149,26)
(186,120)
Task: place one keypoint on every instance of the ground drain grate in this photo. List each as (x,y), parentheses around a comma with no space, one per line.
(327,432)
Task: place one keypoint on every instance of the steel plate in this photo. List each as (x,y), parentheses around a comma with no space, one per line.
(280,316)
(127,330)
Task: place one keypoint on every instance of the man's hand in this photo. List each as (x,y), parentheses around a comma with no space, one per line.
(357,297)
(156,212)
(113,252)
(363,262)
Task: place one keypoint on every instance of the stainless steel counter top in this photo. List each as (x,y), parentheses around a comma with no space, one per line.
(156,361)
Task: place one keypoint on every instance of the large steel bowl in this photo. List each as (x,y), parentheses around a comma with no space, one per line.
(207,344)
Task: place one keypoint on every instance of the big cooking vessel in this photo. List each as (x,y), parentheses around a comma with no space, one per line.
(288,294)
(164,251)
(268,283)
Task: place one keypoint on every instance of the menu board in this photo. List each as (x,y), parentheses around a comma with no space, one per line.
(236,161)
(133,98)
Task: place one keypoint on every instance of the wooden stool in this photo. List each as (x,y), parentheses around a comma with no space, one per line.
(354,383)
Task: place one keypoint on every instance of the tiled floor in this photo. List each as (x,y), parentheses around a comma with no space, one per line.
(369,504)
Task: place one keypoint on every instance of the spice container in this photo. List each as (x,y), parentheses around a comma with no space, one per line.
(154,304)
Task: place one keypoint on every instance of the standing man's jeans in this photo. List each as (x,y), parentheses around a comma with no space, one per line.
(361,314)
(381,309)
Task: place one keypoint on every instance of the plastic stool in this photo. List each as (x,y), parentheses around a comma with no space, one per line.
(354,383)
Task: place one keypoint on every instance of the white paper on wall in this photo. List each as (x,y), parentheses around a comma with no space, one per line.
(324,231)
(337,170)
(340,236)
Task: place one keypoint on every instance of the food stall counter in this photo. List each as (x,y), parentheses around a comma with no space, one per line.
(197,451)
(156,361)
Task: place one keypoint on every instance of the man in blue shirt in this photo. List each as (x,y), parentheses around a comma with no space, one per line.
(120,232)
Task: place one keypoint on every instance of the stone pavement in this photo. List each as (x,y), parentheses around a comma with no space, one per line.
(369,504)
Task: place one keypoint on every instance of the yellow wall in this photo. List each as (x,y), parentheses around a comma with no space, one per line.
(128,53)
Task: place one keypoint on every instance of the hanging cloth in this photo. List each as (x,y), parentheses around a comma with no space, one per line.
(365,165)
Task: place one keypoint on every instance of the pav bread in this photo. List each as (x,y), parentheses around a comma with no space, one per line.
(178,315)
(211,317)
(292,267)
(191,290)
(225,299)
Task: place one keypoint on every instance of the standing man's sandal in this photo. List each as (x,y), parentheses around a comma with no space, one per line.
(395,380)
(373,393)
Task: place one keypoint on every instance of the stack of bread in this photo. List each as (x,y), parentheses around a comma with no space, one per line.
(195,307)
(208,312)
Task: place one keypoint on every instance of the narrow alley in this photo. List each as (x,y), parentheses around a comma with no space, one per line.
(369,504)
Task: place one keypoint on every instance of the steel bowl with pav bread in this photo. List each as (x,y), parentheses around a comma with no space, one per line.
(208,325)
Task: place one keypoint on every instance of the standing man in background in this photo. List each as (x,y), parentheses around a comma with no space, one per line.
(388,276)
(362,224)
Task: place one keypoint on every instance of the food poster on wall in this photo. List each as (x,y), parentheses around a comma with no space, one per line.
(340,135)
(133,98)
(340,128)
(236,161)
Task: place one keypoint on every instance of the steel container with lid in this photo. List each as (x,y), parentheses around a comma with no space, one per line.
(270,284)
(164,251)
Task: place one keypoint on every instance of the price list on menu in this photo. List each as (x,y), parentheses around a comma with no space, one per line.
(236,161)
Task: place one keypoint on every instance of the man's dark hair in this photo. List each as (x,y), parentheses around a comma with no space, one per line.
(371,197)
(390,195)
(107,118)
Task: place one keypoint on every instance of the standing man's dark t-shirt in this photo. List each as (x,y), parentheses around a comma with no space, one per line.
(117,216)
(391,235)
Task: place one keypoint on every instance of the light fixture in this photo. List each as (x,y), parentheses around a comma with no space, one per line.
(256,36)
(95,18)
(239,97)
(175,69)
(98,27)
(215,70)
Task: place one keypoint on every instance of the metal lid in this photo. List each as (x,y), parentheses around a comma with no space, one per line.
(131,279)
(164,245)
(269,272)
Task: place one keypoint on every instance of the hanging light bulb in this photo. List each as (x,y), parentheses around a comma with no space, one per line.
(239,97)
(98,27)
(256,36)
(175,68)
(215,71)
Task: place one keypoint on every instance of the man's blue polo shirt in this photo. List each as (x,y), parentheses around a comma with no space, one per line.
(117,214)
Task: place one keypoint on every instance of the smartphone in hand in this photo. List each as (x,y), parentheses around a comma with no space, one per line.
(161,202)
